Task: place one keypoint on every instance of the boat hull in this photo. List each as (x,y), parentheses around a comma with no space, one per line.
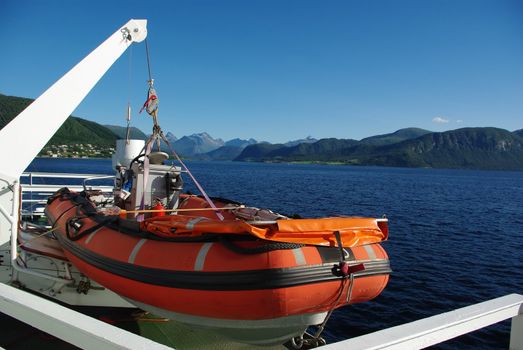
(256,332)
(250,290)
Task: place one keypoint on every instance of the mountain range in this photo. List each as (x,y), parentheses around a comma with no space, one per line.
(475,148)
(324,150)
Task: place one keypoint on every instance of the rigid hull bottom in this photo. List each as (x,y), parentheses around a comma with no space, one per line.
(256,332)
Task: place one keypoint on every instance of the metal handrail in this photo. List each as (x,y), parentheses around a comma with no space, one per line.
(437,329)
(60,175)
(44,190)
(96,178)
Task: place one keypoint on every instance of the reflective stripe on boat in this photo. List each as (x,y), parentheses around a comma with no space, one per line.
(299,257)
(90,237)
(191,223)
(370,251)
(136,249)
(200,258)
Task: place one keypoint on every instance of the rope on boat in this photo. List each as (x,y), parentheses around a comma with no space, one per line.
(347,273)
(77,225)
(38,236)
(124,212)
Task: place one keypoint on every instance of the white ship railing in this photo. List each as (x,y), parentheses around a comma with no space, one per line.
(51,188)
(437,329)
(34,195)
(89,333)
(71,326)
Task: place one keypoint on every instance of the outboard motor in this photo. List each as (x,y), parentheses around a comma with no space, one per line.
(138,186)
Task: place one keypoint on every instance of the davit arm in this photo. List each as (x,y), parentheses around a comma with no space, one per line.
(47,113)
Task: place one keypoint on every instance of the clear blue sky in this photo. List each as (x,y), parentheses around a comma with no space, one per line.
(282,70)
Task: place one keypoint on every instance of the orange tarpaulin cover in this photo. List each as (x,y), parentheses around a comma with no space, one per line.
(353,231)
(177,225)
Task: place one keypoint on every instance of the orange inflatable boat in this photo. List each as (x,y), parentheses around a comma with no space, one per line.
(259,281)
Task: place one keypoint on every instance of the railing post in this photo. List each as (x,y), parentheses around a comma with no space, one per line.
(31,206)
(516,332)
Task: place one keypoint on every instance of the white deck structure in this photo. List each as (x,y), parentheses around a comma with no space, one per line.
(89,333)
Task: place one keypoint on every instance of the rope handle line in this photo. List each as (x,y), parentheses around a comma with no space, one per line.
(123,211)
(38,236)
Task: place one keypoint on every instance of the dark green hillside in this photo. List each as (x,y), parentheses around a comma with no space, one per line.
(81,131)
(10,107)
(258,152)
(121,132)
(222,153)
(314,151)
(472,148)
(395,137)
(518,132)
(73,131)
(475,148)
(302,152)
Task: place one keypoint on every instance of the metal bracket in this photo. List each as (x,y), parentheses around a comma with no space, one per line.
(126,33)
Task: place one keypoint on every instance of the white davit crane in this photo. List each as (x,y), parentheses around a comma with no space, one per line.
(47,113)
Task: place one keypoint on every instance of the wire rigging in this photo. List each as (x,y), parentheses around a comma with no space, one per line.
(148,61)
(151,106)
(128,132)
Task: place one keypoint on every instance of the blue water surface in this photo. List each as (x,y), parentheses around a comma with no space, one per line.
(456,236)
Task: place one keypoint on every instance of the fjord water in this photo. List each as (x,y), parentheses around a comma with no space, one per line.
(456,236)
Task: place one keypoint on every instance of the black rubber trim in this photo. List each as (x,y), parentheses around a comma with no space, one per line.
(217,281)
(269,246)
